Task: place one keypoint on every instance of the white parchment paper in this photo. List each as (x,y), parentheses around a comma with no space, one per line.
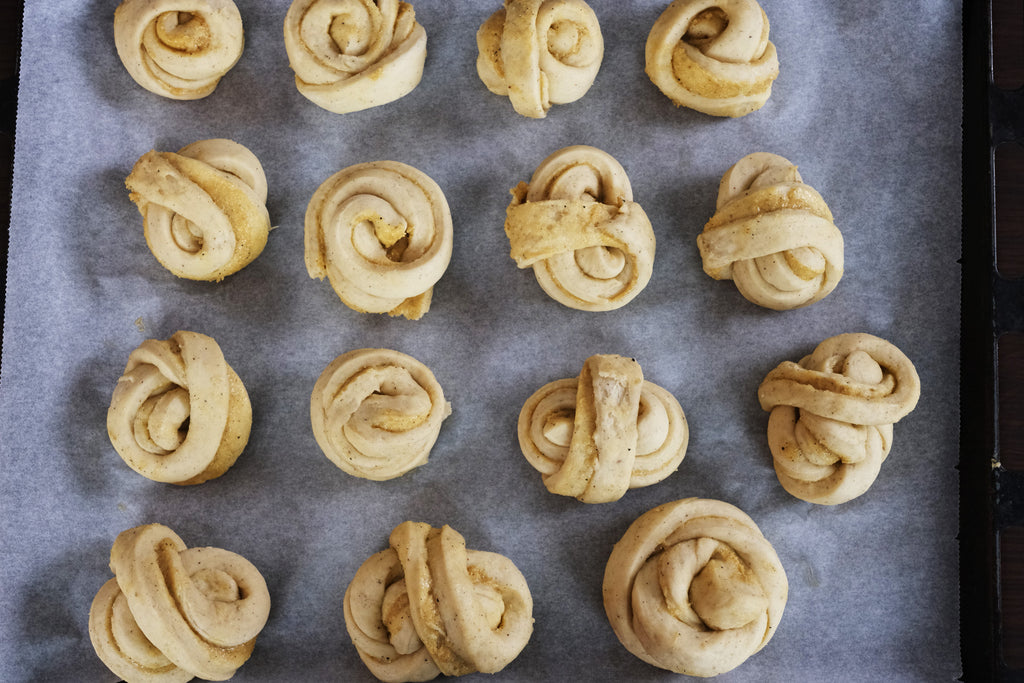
(867,105)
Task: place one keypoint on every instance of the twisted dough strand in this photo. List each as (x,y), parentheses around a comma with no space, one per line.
(539,53)
(772,234)
(427,606)
(607,431)
(590,245)
(350,55)
(179,413)
(204,207)
(831,415)
(172,613)
(178,48)
(694,587)
(381,232)
(376,413)
(713,56)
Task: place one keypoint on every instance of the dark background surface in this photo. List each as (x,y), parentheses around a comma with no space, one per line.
(992,457)
(10,40)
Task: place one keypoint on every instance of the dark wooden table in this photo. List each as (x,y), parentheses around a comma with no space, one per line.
(992,447)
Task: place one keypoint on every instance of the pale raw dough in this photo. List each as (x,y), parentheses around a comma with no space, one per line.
(694,587)
(179,413)
(427,606)
(772,234)
(381,232)
(349,56)
(607,431)
(376,413)
(713,56)
(832,414)
(178,48)
(172,613)
(539,53)
(590,245)
(204,208)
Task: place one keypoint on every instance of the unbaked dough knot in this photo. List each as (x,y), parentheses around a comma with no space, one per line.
(381,232)
(178,48)
(172,613)
(179,413)
(540,52)
(204,208)
(376,413)
(772,234)
(831,415)
(427,605)
(350,55)
(694,587)
(713,56)
(590,245)
(607,431)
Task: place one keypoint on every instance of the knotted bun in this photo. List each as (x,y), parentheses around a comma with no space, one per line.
(772,234)
(590,245)
(179,413)
(178,48)
(172,613)
(713,56)
(428,606)
(376,413)
(539,53)
(353,55)
(831,415)
(381,232)
(607,431)
(203,208)
(694,587)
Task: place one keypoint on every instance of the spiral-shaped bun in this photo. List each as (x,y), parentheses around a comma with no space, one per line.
(772,234)
(381,232)
(172,613)
(179,413)
(539,53)
(607,431)
(376,413)
(428,606)
(713,56)
(178,48)
(349,55)
(590,245)
(203,208)
(832,414)
(694,587)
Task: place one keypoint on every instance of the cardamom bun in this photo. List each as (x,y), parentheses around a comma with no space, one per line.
(772,235)
(204,208)
(591,247)
(381,233)
(179,413)
(172,613)
(350,56)
(713,56)
(428,605)
(178,49)
(694,587)
(607,431)
(376,413)
(539,53)
(831,415)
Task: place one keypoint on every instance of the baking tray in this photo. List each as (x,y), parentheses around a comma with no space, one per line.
(991,308)
(992,485)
